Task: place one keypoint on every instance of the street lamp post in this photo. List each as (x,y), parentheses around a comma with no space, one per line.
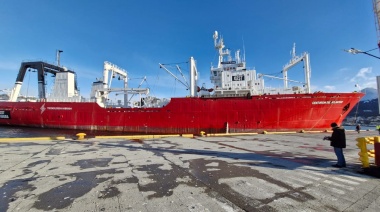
(357,51)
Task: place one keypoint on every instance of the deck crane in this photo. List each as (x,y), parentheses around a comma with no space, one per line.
(122,75)
(295,60)
(376,10)
(115,70)
(193,76)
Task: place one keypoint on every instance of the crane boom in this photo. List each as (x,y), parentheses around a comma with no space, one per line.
(115,70)
(294,61)
(376,10)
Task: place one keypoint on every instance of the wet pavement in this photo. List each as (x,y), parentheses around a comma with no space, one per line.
(264,172)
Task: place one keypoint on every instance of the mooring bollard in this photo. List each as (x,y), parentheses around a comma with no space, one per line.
(366,153)
(81,136)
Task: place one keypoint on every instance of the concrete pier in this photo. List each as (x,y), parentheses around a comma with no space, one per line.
(262,172)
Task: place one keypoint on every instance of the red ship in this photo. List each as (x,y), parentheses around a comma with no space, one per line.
(238,102)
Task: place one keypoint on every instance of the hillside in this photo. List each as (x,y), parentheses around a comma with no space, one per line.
(368,106)
(365,109)
(370,93)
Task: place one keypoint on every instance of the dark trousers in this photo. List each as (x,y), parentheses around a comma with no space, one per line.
(340,156)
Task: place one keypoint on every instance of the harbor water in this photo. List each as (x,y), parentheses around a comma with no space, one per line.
(362,127)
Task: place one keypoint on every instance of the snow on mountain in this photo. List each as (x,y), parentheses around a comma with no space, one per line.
(370,93)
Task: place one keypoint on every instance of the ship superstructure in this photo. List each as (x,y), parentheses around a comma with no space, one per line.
(232,77)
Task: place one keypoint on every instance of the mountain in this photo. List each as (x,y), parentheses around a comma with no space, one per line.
(370,93)
(368,106)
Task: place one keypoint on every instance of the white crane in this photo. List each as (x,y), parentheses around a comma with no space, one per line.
(115,70)
(293,61)
(122,75)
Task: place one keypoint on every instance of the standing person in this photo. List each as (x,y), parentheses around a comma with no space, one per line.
(358,128)
(338,141)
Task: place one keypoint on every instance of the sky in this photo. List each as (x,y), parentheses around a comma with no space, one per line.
(137,35)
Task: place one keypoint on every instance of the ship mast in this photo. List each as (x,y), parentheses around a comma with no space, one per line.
(219,45)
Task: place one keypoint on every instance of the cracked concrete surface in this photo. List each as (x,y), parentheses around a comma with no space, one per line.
(282,172)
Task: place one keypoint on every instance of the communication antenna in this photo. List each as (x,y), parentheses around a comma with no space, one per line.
(242,37)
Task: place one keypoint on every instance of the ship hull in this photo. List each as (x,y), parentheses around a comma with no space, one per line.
(287,112)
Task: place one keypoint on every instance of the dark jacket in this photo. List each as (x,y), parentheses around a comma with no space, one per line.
(338,137)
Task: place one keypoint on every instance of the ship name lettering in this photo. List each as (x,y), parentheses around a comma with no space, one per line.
(59,108)
(4,114)
(326,102)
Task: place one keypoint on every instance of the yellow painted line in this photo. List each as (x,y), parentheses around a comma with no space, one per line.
(316,131)
(229,134)
(31,139)
(266,132)
(150,136)
(291,132)
(187,135)
(143,136)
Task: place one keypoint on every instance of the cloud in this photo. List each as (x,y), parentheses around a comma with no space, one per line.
(314,88)
(365,78)
(329,87)
(343,70)
(362,74)
(371,83)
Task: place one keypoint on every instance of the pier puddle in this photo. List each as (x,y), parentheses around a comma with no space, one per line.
(64,195)
(213,172)
(109,192)
(82,151)
(299,158)
(27,169)
(54,152)
(10,188)
(92,163)
(212,175)
(30,165)
(164,181)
